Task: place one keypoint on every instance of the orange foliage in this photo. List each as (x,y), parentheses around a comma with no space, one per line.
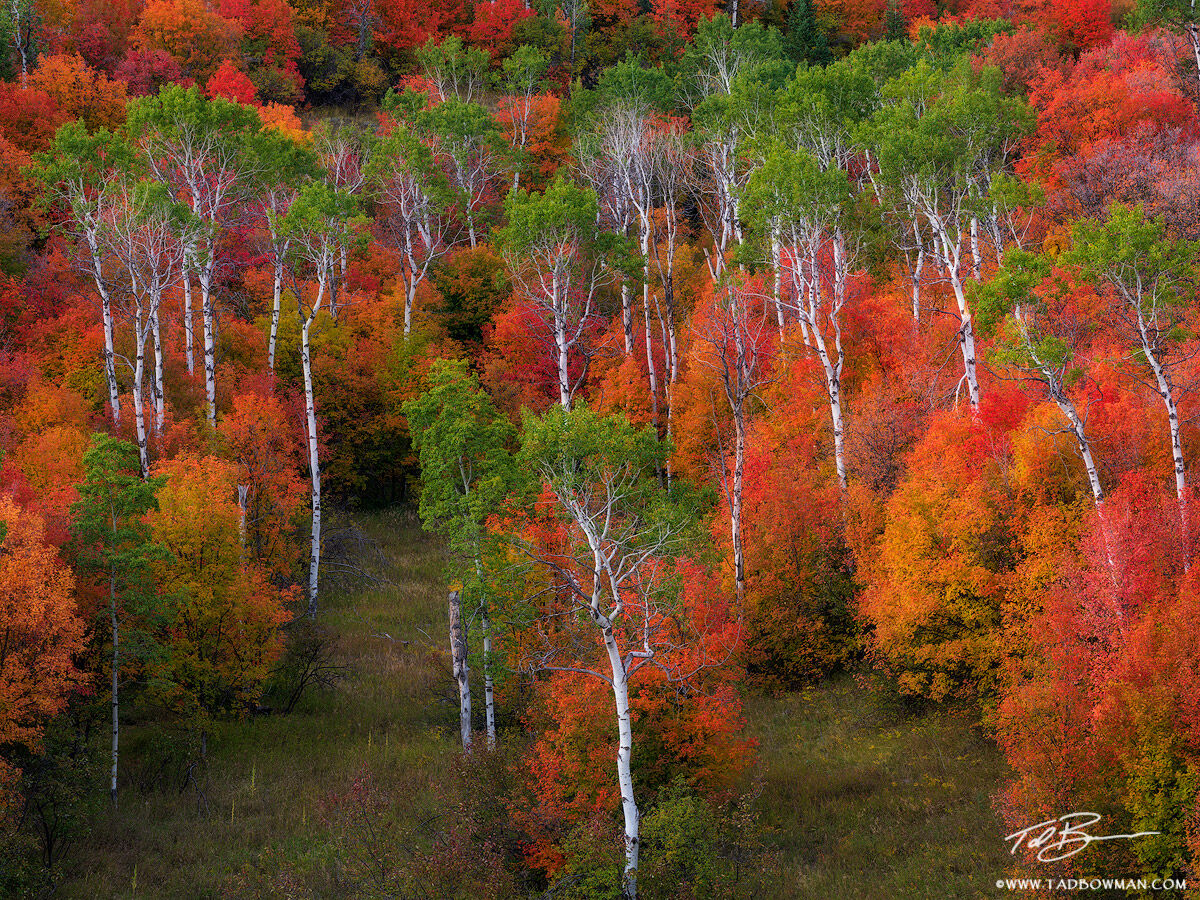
(283,118)
(694,735)
(79,91)
(225,633)
(935,581)
(261,437)
(42,633)
(193,34)
(857,20)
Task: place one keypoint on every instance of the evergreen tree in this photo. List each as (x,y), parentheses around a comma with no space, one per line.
(805,41)
(114,552)
(895,28)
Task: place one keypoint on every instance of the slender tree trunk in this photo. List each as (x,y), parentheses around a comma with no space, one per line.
(462,673)
(210,344)
(560,339)
(976,258)
(735,503)
(1085,447)
(1194,36)
(110,361)
(627,315)
(489,705)
(139,408)
(276,305)
(777,288)
(160,412)
(651,368)
(833,386)
(116,682)
(918,268)
(966,330)
(188,339)
(1168,398)
(410,291)
(629,808)
(243,491)
(314,464)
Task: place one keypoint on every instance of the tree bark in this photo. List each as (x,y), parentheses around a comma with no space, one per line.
(314,463)
(629,808)
(116,680)
(735,504)
(951,258)
(139,408)
(489,705)
(276,305)
(160,412)
(210,345)
(186,274)
(110,362)
(462,674)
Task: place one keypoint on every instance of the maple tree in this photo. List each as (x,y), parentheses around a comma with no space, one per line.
(190,31)
(44,634)
(223,636)
(717,344)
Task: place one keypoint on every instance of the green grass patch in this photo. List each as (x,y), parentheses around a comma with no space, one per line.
(859,799)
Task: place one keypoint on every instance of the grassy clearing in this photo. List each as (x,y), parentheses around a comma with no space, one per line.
(858,799)
(863,800)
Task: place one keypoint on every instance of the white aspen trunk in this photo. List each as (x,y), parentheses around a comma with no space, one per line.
(116,681)
(629,808)
(160,413)
(951,255)
(276,305)
(210,345)
(188,340)
(1194,36)
(410,290)
(627,315)
(560,339)
(489,705)
(918,268)
(668,388)
(651,366)
(833,386)
(1085,449)
(139,409)
(462,674)
(777,287)
(314,464)
(735,504)
(110,361)
(489,698)
(976,258)
(651,369)
(1180,467)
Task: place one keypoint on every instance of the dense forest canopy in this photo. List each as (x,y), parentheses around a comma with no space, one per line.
(723,346)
